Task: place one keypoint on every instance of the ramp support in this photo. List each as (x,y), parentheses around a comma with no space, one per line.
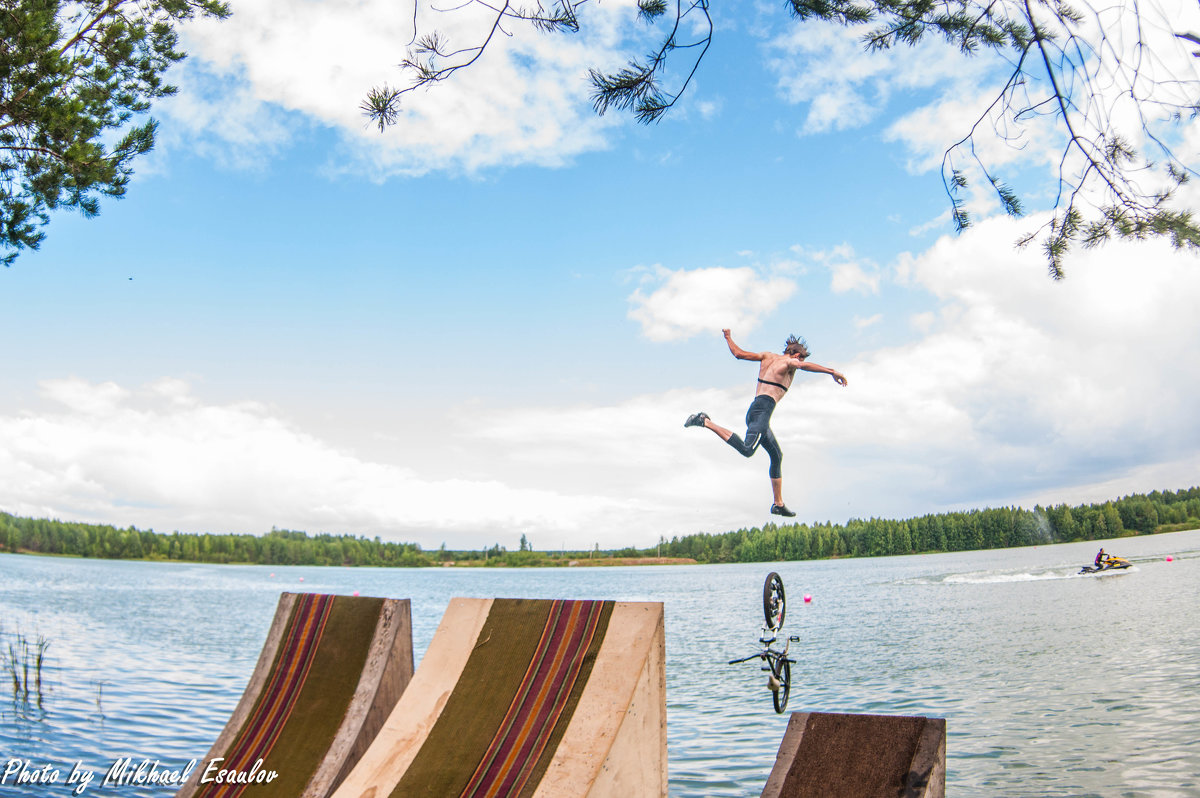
(829,755)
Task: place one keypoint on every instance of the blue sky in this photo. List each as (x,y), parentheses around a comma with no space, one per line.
(493,319)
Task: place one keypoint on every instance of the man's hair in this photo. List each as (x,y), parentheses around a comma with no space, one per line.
(796,346)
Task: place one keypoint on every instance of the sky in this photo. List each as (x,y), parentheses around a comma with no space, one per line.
(492,319)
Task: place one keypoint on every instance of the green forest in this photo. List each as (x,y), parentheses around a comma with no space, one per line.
(992,528)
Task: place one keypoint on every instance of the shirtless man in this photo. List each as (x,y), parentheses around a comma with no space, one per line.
(775,374)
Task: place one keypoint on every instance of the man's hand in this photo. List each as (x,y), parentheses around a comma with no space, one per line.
(838,378)
(737,351)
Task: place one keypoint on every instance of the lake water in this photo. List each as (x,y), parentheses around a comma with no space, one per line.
(1051,683)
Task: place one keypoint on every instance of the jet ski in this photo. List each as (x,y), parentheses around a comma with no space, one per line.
(1109,563)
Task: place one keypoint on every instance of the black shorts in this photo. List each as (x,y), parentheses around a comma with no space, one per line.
(758,433)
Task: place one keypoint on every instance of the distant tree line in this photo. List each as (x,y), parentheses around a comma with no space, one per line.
(277,547)
(1137,514)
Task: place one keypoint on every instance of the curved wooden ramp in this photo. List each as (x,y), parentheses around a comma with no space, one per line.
(831,755)
(531,699)
(330,672)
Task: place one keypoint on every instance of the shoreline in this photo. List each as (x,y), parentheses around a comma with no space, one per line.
(548,562)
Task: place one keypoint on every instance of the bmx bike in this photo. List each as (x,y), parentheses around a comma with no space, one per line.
(775,661)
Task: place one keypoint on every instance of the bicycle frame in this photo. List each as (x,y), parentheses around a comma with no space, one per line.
(776,661)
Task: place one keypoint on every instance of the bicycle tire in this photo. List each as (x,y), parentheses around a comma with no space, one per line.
(774,602)
(782,671)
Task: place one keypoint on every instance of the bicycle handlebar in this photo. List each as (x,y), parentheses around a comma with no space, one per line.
(745,659)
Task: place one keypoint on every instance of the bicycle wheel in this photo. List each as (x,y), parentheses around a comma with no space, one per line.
(773,601)
(782,670)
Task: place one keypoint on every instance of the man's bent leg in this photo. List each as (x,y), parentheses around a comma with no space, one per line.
(747,447)
(722,433)
(771,447)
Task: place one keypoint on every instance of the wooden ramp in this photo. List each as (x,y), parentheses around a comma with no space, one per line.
(330,672)
(827,755)
(532,699)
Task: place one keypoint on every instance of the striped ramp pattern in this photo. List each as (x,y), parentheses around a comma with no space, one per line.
(538,705)
(261,731)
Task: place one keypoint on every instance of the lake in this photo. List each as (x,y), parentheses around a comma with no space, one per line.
(1051,683)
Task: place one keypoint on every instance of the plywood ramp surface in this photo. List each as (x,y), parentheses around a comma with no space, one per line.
(528,698)
(329,675)
(830,755)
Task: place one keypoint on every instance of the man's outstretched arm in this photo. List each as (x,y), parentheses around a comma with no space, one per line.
(738,352)
(817,368)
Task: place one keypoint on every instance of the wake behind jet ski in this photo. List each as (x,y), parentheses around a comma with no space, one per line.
(1105,562)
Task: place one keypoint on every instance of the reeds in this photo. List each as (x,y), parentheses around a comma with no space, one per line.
(23,661)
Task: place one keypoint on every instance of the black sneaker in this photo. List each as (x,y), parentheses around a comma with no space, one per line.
(696,420)
(781,509)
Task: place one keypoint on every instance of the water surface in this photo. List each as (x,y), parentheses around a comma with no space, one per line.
(1051,683)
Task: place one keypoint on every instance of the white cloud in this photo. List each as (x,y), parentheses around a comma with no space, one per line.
(685,302)
(923,322)
(1024,383)
(861,323)
(85,399)
(159,458)
(251,80)
(709,109)
(928,131)
(826,66)
(847,271)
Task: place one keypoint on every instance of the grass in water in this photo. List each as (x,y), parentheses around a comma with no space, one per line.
(99,699)
(23,661)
